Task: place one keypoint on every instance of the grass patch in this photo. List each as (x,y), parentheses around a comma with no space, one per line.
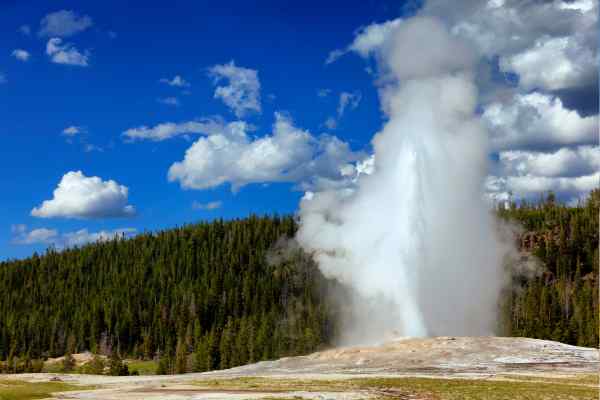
(142,367)
(57,368)
(427,388)
(273,384)
(53,368)
(583,379)
(21,390)
(469,389)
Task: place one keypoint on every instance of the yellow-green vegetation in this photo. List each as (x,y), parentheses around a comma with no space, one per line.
(21,390)
(98,366)
(57,368)
(582,379)
(53,368)
(517,388)
(142,367)
(275,384)
(470,389)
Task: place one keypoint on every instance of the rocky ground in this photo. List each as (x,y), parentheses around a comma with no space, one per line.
(407,368)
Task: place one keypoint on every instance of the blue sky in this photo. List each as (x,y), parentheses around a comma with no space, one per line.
(128,49)
(131,50)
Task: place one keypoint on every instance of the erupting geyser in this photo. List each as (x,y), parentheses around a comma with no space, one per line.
(416,239)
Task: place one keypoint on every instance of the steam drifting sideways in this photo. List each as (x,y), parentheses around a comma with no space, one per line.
(415,239)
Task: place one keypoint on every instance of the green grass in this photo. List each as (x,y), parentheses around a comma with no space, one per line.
(142,367)
(20,390)
(427,388)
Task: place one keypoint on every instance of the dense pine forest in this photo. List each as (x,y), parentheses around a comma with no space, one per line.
(559,299)
(199,297)
(221,294)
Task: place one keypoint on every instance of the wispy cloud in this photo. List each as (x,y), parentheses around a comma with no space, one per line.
(242,92)
(170,101)
(66,53)
(25,30)
(348,100)
(46,236)
(40,235)
(176,81)
(72,130)
(323,92)
(212,205)
(334,55)
(168,130)
(64,23)
(21,55)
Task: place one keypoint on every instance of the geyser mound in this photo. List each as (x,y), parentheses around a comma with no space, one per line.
(416,239)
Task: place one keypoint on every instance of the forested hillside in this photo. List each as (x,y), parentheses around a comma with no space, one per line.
(203,289)
(204,296)
(559,300)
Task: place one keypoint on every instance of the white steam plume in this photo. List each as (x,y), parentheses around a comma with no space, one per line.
(416,239)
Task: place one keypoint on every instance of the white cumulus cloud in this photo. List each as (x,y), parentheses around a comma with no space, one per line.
(242,91)
(531,187)
(78,196)
(569,172)
(565,162)
(550,56)
(289,154)
(543,121)
(553,64)
(537,120)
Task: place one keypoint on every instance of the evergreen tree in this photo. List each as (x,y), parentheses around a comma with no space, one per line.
(180,358)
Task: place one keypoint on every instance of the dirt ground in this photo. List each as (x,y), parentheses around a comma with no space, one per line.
(368,372)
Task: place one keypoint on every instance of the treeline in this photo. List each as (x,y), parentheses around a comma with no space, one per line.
(199,297)
(221,294)
(559,300)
